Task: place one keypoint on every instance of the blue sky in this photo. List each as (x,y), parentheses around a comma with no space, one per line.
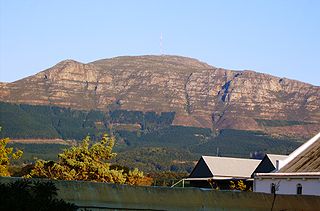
(281,38)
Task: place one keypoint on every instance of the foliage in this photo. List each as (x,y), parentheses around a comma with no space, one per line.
(175,148)
(33,151)
(85,162)
(6,155)
(214,185)
(171,136)
(27,195)
(156,159)
(147,140)
(35,121)
(172,149)
(134,177)
(280,123)
(148,120)
(21,170)
(30,121)
(239,185)
(167,178)
(20,123)
(237,143)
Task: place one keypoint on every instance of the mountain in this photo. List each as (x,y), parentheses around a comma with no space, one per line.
(200,95)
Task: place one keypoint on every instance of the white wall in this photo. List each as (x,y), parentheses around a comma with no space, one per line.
(309,186)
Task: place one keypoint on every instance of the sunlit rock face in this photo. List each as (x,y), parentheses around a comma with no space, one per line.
(200,94)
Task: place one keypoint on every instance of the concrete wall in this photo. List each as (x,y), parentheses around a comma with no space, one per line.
(111,196)
(309,186)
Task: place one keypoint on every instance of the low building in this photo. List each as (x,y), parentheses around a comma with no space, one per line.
(288,183)
(211,171)
(299,173)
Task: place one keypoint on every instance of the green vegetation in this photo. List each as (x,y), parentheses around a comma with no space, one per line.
(146,140)
(170,152)
(170,136)
(28,196)
(237,143)
(176,148)
(86,163)
(167,178)
(279,123)
(32,152)
(18,123)
(27,121)
(157,159)
(146,119)
(6,156)
(30,121)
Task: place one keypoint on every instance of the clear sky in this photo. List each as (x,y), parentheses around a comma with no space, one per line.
(279,37)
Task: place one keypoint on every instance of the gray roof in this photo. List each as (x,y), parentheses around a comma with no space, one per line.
(307,160)
(231,167)
(273,158)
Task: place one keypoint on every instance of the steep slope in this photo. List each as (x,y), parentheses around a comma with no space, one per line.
(200,94)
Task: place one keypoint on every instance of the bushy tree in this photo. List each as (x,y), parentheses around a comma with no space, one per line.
(86,162)
(6,155)
(135,177)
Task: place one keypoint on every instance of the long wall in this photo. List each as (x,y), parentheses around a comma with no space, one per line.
(286,186)
(110,196)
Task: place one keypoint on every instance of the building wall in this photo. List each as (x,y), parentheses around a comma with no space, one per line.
(309,186)
(103,196)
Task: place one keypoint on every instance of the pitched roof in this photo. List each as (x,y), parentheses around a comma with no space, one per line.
(305,159)
(273,158)
(230,167)
(268,163)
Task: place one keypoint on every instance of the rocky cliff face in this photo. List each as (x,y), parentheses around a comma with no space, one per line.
(200,94)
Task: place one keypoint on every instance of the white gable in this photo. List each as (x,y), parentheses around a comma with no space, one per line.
(273,158)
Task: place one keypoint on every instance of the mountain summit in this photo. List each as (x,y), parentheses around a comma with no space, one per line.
(200,95)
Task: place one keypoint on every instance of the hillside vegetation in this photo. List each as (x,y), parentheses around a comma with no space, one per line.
(148,140)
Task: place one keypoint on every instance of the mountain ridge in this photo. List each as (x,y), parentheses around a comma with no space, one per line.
(201,95)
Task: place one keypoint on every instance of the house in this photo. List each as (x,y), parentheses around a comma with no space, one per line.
(221,170)
(299,173)
(269,163)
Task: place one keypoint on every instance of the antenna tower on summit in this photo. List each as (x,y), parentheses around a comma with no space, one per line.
(161,44)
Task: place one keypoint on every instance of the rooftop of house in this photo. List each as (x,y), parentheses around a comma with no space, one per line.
(230,167)
(307,160)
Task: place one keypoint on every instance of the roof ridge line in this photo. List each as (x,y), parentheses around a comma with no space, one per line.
(298,151)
